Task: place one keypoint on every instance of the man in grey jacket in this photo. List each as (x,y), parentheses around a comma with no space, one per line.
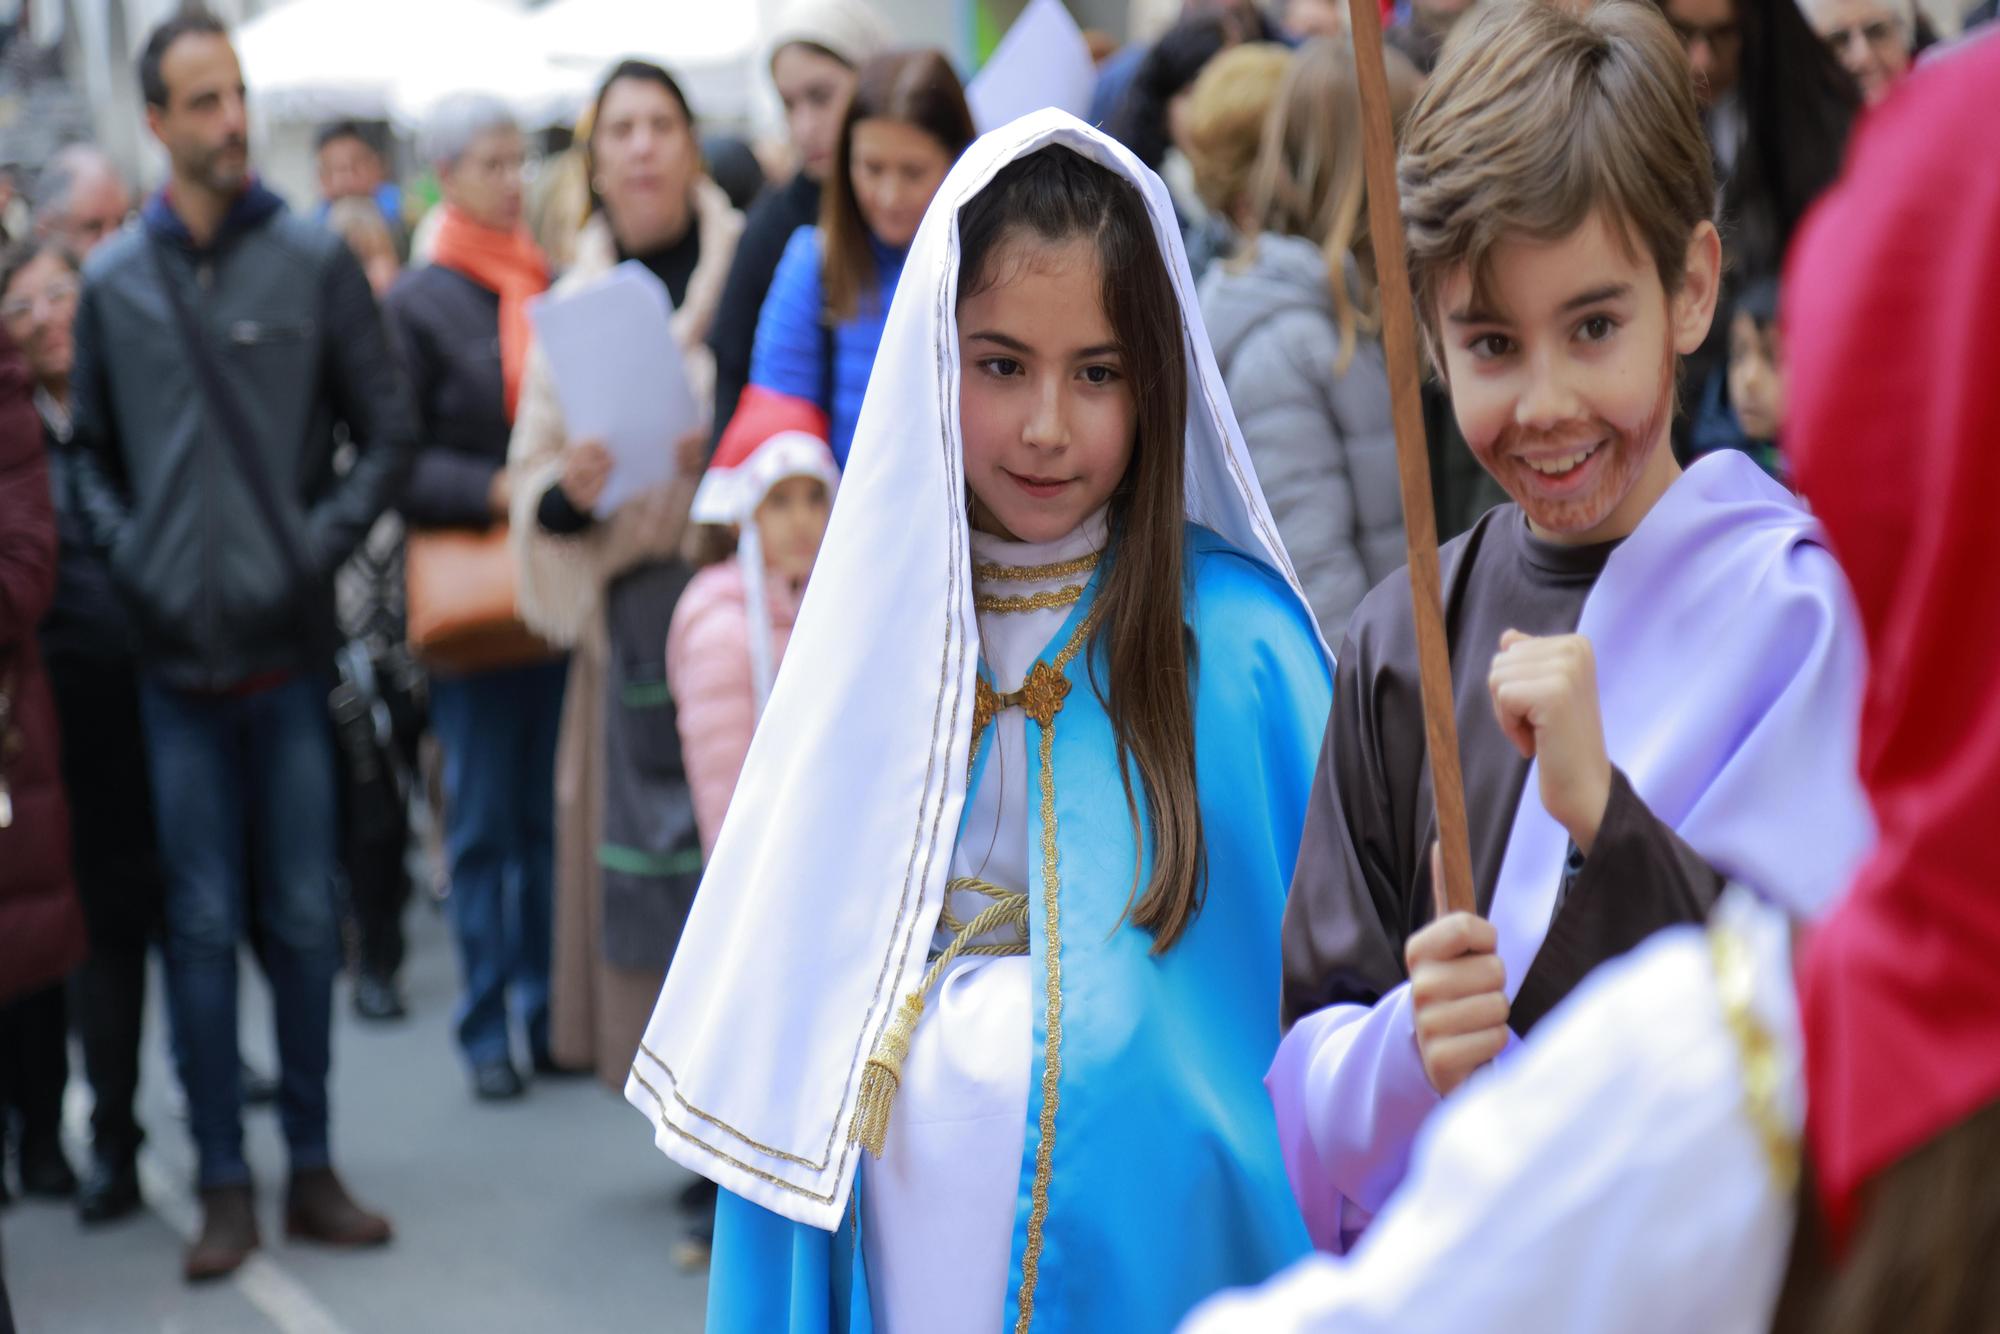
(234,616)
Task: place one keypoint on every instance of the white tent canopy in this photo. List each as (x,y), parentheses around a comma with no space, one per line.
(313,60)
(540,91)
(712,49)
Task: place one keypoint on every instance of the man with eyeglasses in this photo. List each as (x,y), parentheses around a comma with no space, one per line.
(1714,42)
(81,200)
(1874,40)
(1710,32)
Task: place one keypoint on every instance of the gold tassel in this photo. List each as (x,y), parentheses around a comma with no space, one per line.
(883,1075)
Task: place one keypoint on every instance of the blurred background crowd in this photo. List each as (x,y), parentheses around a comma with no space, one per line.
(310,615)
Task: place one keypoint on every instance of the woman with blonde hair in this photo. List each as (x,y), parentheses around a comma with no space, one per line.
(1221,130)
(1294,324)
(603,585)
(558,205)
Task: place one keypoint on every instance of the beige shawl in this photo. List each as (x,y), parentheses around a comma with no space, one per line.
(562,578)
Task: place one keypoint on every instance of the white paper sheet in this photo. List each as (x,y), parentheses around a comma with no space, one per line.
(619,375)
(1043,61)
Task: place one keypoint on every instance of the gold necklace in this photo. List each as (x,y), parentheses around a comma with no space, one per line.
(1046,600)
(1034,574)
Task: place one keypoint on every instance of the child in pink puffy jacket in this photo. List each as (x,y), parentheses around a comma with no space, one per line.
(772,486)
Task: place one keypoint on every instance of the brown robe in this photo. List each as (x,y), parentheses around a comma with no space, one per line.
(1363,883)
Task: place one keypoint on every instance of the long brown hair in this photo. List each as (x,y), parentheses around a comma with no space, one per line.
(1051,196)
(1921,1259)
(919,89)
(1226,110)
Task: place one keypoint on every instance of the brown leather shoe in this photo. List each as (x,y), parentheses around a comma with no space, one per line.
(318,1208)
(228,1234)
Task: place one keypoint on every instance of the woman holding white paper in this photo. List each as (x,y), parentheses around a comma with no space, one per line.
(602,586)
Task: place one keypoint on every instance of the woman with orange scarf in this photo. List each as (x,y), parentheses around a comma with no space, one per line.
(461,326)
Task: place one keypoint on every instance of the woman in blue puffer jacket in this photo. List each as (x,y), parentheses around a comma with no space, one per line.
(822,319)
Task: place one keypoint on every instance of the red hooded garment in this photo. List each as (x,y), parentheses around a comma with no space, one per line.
(41,924)
(1892,330)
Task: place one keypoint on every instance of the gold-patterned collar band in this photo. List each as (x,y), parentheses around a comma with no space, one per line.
(1015,604)
(987,573)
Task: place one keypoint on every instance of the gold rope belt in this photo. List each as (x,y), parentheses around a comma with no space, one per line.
(1010,908)
(885,1066)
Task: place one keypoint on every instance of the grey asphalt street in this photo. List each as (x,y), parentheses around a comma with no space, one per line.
(553,1213)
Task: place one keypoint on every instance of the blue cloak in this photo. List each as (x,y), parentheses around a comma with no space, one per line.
(1164,1180)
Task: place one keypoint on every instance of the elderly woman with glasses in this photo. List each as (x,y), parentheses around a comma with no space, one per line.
(461,327)
(38,291)
(91,649)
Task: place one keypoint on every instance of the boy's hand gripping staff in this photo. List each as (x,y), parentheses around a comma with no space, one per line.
(1399,349)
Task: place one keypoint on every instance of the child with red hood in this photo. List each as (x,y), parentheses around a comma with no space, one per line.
(759,517)
(767,494)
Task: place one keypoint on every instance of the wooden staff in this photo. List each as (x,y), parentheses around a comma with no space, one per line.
(1399,348)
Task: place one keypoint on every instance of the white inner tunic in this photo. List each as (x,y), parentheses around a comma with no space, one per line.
(937,1210)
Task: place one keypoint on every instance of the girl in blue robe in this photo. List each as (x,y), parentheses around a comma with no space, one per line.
(971,1017)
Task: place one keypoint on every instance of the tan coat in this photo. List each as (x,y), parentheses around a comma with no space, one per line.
(598,1012)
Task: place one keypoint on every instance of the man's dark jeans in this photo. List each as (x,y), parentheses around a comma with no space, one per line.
(244,790)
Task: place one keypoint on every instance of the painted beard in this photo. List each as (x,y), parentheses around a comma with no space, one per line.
(1584,469)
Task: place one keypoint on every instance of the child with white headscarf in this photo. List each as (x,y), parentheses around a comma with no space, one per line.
(993,922)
